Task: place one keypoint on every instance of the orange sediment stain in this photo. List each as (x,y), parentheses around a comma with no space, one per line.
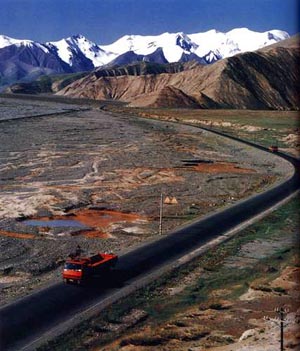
(94,234)
(98,220)
(221,168)
(17,235)
(103,218)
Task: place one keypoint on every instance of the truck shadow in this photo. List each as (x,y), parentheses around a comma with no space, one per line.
(113,279)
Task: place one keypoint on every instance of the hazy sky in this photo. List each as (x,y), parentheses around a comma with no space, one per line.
(104,21)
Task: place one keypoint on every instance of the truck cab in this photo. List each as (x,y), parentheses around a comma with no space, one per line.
(273,148)
(73,271)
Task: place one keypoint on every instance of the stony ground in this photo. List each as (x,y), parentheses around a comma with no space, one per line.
(106,171)
(246,324)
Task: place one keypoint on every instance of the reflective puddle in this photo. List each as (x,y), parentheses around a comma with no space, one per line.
(55,223)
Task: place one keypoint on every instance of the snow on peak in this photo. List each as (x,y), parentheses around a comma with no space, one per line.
(277,35)
(211,45)
(172,44)
(7,41)
(235,41)
(183,41)
(76,44)
(248,40)
(63,50)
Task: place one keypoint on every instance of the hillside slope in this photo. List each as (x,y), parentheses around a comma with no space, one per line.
(265,79)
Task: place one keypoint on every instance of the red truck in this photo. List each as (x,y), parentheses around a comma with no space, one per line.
(80,269)
(273,148)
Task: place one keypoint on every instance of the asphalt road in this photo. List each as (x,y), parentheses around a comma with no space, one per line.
(28,318)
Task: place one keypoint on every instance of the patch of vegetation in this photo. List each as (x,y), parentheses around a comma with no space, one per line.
(259,126)
(279,289)
(216,306)
(142,340)
(263,288)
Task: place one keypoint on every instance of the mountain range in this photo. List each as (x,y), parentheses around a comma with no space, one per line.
(26,60)
(264,79)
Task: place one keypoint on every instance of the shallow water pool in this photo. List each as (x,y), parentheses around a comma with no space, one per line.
(55,223)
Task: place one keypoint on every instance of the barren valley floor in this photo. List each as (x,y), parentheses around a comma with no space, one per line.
(104,173)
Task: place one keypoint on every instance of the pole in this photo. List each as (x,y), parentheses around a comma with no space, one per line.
(160,213)
(281,328)
(281,335)
(282,317)
(282,314)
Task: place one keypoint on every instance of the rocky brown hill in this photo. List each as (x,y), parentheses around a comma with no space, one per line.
(54,83)
(265,79)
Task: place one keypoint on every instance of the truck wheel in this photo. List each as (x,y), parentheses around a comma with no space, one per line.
(78,282)
(66,281)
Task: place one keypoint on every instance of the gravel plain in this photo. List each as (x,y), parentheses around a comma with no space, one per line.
(68,161)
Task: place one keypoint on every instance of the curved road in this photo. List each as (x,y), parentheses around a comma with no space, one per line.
(27,319)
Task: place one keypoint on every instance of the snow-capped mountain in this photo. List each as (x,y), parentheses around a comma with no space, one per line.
(26,59)
(264,79)
(7,41)
(211,45)
(70,48)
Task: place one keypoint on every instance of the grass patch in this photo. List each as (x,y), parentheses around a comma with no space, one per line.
(279,289)
(269,127)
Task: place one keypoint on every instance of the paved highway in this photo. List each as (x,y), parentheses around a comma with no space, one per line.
(28,318)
